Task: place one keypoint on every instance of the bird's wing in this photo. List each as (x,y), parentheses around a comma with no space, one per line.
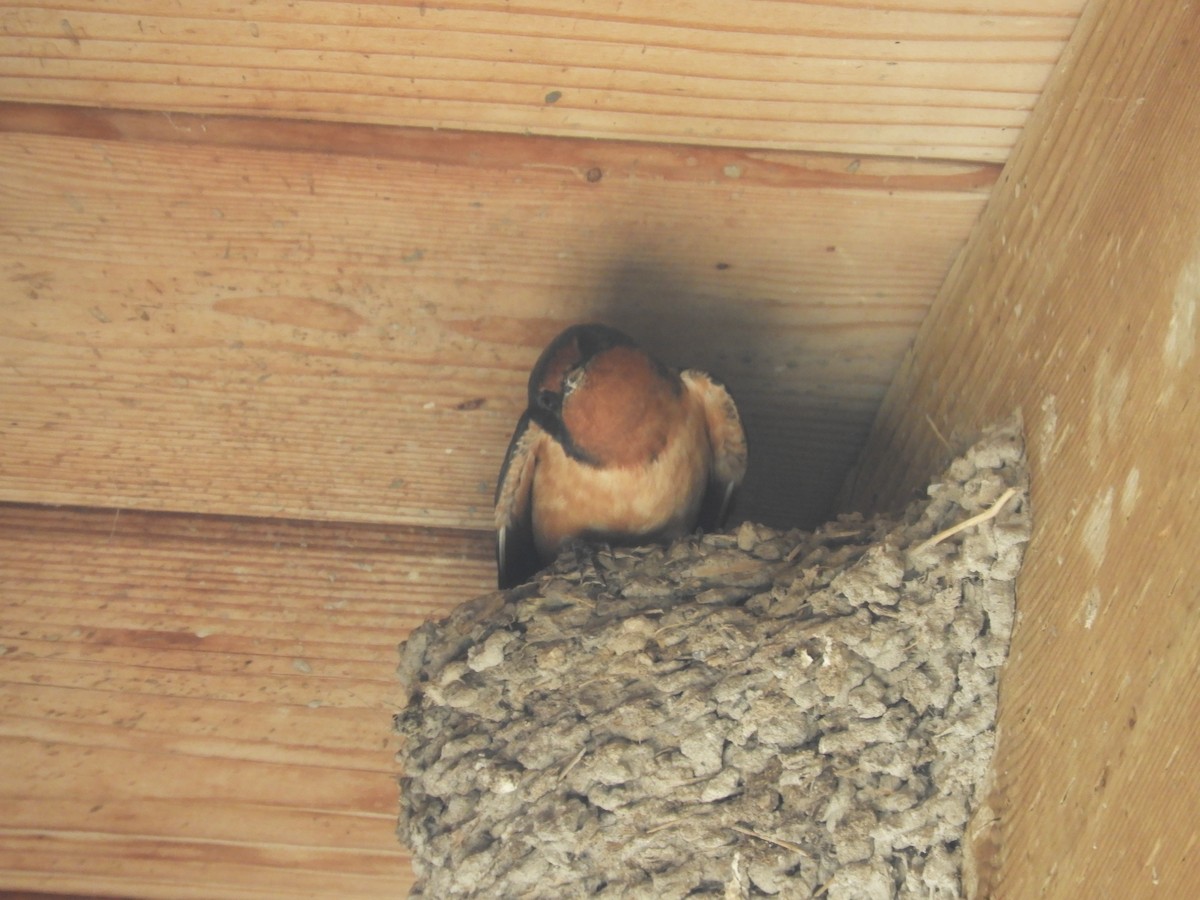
(516,553)
(728,442)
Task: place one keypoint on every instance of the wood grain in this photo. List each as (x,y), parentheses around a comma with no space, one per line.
(913,78)
(1076,302)
(336,322)
(200,707)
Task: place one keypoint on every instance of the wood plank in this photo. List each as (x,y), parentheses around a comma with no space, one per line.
(151,868)
(200,706)
(914,78)
(1076,301)
(225,325)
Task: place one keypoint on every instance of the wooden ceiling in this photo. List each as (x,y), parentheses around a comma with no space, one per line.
(296,312)
(290,262)
(931,79)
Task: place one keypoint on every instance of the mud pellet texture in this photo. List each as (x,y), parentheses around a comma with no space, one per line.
(758,713)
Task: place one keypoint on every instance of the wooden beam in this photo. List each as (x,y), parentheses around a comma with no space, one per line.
(1076,301)
(336,322)
(198,707)
(913,78)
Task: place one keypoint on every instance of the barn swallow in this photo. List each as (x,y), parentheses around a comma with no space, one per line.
(613,447)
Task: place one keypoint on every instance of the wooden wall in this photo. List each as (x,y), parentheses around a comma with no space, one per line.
(1076,302)
(271,278)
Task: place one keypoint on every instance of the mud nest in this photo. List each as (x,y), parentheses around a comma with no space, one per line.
(760,713)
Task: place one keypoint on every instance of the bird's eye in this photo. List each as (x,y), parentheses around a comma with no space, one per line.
(549,400)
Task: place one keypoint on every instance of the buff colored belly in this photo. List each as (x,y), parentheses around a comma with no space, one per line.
(659,501)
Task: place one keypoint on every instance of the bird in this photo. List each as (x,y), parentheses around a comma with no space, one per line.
(613,447)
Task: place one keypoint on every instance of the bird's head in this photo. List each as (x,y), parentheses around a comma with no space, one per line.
(606,400)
